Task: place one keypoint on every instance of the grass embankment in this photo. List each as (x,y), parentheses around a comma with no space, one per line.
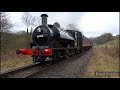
(14,61)
(10,42)
(105,61)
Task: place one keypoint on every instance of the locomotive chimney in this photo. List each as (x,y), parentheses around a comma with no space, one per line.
(44,18)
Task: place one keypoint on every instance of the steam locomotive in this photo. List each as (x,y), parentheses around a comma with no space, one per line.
(50,42)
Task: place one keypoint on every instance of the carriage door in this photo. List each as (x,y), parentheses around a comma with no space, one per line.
(76,39)
(80,40)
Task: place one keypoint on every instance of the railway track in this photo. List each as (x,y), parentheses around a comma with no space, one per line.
(21,72)
(33,69)
(52,66)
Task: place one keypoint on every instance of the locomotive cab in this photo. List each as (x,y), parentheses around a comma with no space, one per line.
(77,37)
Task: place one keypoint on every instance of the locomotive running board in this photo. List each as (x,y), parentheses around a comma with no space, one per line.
(64,48)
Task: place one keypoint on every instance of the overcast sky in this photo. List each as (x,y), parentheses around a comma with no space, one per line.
(91,24)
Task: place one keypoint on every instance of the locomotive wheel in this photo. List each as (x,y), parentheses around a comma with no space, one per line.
(42,60)
(55,59)
(37,59)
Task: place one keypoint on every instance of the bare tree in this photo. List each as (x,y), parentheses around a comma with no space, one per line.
(72,26)
(5,23)
(37,21)
(28,20)
(5,26)
(61,29)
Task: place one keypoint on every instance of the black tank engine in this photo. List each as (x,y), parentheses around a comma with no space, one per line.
(49,41)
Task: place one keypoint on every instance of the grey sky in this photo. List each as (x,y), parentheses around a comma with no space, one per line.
(92,24)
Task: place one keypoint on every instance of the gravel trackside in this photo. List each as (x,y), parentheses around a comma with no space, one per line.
(68,68)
